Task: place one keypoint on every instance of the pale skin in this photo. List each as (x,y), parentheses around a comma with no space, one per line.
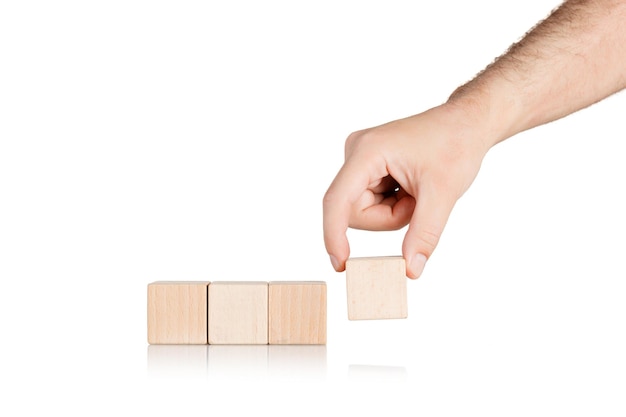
(412,171)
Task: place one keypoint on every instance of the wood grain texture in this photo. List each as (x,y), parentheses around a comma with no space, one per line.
(177,312)
(376,288)
(297,313)
(238,313)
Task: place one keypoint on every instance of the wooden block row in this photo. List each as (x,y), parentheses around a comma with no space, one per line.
(376,288)
(237,312)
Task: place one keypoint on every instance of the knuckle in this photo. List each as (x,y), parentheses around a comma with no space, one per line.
(354,136)
(329,198)
(350,142)
(360,139)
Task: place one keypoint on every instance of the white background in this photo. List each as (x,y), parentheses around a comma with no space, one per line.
(153,140)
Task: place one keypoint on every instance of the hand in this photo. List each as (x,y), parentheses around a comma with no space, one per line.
(409,171)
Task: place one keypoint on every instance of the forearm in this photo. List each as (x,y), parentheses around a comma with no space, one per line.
(574,58)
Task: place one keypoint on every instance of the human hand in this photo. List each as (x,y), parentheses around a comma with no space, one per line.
(409,171)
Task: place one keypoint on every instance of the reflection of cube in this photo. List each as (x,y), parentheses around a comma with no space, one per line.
(177,312)
(297,313)
(376,288)
(177,360)
(238,313)
(308,361)
(237,361)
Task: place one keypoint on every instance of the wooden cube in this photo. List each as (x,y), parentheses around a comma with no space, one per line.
(177,312)
(376,288)
(238,313)
(297,313)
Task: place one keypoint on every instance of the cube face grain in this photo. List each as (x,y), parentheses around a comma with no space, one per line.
(177,312)
(297,313)
(238,313)
(376,288)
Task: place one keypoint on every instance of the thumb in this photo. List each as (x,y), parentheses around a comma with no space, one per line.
(425,228)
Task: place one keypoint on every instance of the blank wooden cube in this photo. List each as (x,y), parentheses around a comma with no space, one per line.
(376,288)
(177,312)
(297,313)
(238,313)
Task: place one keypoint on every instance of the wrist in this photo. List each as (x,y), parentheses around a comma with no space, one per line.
(491,106)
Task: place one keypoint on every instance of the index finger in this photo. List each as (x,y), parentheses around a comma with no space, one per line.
(351,181)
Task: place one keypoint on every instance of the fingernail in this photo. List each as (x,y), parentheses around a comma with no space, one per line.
(417,265)
(335,262)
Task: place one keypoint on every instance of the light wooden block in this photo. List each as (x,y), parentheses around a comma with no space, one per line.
(238,313)
(376,288)
(297,313)
(177,312)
